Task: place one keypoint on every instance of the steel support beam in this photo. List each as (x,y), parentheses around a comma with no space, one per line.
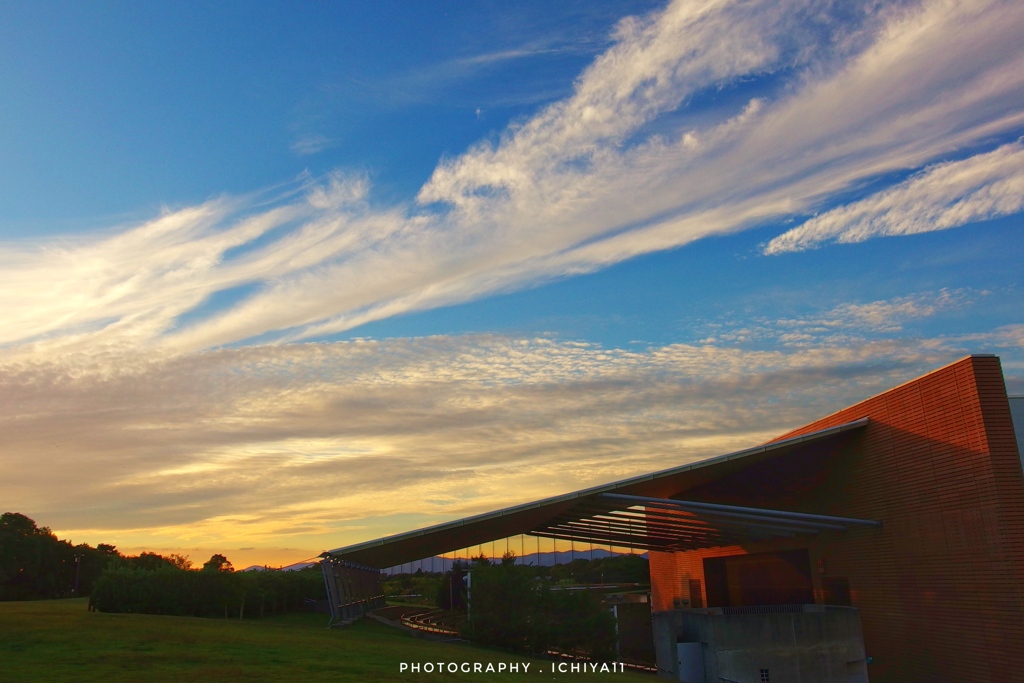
(757,513)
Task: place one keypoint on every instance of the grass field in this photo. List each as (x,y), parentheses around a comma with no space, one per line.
(58,640)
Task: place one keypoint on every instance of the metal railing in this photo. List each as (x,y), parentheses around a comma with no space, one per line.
(425,621)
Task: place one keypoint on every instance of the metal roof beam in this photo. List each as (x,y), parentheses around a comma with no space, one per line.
(608,537)
(732,510)
(700,522)
(679,545)
(591,532)
(673,525)
(638,542)
(664,506)
(720,538)
(752,518)
(635,544)
(639,526)
(636,528)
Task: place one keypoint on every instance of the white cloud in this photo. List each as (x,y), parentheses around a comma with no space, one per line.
(585,183)
(313,143)
(889,316)
(883,316)
(851,323)
(942,196)
(1007,337)
(295,442)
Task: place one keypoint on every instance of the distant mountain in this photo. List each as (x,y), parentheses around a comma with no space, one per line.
(443,564)
(290,568)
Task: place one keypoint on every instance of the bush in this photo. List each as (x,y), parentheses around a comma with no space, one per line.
(579,624)
(509,607)
(206,593)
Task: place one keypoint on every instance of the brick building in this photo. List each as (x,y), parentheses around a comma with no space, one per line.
(938,586)
(901,518)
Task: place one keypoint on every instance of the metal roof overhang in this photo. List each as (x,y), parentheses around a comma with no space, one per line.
(637,512)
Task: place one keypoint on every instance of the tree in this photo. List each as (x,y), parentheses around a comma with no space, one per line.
(218,563)
(451,591)
(33,563)
(149,561)
(180,561)
(505,608)
(509,607)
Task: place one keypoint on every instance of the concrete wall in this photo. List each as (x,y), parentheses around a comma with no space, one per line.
(819,645)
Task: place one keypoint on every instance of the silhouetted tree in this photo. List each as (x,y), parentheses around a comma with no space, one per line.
(451,593)
(180,561)
(218,563)
(149,562)
(33,562)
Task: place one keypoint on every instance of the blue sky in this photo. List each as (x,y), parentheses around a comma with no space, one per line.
(287,276)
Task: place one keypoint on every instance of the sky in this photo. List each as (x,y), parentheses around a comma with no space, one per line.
(281,277)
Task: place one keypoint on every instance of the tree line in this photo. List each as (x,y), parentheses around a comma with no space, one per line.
(35,564)
(207,593)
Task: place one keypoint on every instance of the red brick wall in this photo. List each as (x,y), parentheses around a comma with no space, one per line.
(939,585)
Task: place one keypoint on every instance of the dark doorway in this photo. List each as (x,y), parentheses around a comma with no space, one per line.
(780,578)
(837,591)
(696,595)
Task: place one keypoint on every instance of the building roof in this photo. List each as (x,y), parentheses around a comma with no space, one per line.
(603,515)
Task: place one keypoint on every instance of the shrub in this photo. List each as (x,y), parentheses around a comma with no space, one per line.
(206,593)
(509,607)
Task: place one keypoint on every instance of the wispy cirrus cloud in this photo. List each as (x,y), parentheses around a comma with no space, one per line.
(450,82)
(313,143)
(940,197)
(617,169)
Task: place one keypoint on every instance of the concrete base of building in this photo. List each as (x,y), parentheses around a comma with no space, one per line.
(791,643)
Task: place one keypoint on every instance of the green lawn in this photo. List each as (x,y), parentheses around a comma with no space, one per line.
(59,640)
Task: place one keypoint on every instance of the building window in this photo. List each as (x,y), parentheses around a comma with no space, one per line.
(764,676)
